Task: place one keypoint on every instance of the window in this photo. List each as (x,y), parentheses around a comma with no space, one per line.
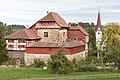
(10,46)
(11,41)
(45,34)
(18,55)
(21,41)
(63,34)
(50,49)
(36,40)
(21,46)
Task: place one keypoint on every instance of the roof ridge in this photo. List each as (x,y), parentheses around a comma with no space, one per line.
(53,16)
(26,33)
(83,30)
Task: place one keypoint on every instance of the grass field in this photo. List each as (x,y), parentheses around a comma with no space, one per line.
(106,79)
(37,74)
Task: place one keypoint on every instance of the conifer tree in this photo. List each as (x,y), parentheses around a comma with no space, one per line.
(3,51)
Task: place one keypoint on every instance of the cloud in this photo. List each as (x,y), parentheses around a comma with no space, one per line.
(29,11)
(115,11)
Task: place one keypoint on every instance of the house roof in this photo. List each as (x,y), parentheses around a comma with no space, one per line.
(52,16)
(23,34)
(65,45)
(78,28)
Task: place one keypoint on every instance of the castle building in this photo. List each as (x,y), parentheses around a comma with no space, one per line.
(46,37)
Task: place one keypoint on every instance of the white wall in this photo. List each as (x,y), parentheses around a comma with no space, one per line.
(15,45)
(98,38)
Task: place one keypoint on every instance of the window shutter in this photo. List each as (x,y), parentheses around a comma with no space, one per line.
(18,46)
(18,41)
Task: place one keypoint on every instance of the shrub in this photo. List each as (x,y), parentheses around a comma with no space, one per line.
(12,61)
(87,68)
(59,62)
(39,64)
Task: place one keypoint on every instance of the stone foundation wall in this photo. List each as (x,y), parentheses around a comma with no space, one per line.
(29,58)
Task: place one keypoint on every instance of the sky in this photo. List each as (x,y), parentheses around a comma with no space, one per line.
(27,12)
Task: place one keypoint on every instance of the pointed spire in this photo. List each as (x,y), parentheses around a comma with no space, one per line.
(99,27)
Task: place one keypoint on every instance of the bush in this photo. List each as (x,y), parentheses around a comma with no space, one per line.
(59,62)
(86,68)
(39,64)
(12,61)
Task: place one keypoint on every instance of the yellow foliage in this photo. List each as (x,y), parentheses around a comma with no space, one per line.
(112,30)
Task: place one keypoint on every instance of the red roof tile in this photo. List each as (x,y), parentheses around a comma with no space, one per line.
(23,34)
(78,28)
(66,44)
(55,17)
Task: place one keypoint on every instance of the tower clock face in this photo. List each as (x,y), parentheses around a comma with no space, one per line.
(98,33)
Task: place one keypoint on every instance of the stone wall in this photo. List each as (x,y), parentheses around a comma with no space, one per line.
(29,58)
(54,35)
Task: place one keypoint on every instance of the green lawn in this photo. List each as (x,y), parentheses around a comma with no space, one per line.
(107,79)
(22,73)
(36,73)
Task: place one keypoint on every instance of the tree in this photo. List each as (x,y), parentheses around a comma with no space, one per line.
(5,30)
(3,51)
(92,49)
(112,43)
(59,62)
(15,26)
(86,26)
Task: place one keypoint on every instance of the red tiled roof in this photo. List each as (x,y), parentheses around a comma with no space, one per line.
(65,45)
(52,16)
(78,28)
(23,34)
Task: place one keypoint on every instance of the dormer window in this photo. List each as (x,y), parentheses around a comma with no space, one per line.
(45,34)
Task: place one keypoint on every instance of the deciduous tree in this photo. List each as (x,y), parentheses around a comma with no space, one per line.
(112,43)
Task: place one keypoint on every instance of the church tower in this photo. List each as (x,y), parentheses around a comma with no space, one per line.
(98,32)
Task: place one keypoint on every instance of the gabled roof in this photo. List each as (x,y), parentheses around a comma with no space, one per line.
(57,45)
(23,34)
(52,16)
(78,28)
